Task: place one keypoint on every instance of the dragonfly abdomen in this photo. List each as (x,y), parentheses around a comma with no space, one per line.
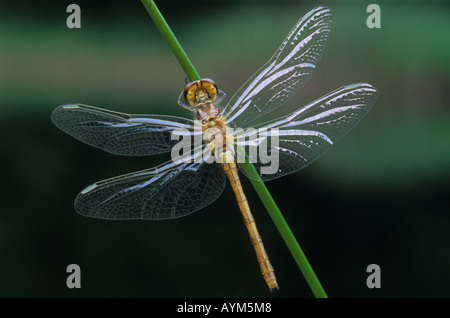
(266,268)
(220,141)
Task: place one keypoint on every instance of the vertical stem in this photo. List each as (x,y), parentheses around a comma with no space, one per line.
(285,231)
(170,38)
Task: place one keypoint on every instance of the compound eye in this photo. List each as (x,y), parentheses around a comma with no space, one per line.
(190,91)
(206,85)
(210,87)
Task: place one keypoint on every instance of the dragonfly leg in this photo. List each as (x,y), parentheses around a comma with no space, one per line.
(221,96)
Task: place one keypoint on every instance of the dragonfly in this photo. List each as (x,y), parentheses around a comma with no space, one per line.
(180,187)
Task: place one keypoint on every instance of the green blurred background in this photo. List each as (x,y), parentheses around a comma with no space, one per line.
(380,195)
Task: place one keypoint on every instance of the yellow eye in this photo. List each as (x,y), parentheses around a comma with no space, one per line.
(210,87)
(206,85)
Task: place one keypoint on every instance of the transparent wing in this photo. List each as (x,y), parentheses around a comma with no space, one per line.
(293,142)
(169,191)
(119,133)
(286,72)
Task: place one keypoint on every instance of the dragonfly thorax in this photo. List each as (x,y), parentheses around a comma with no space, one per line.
(207,112)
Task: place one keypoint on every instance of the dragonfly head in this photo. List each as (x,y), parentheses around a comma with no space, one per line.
(200,91)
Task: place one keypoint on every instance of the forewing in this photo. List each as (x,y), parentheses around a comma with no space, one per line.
(285,73)
(119,133)
(306,134)
(166,192)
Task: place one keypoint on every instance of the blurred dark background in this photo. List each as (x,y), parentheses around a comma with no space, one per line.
(379,196)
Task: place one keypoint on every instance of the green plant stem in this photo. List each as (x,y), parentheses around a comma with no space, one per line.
(170,38)
(285,231)
(256,181)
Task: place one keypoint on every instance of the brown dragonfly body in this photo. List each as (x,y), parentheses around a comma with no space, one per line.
(201,95)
